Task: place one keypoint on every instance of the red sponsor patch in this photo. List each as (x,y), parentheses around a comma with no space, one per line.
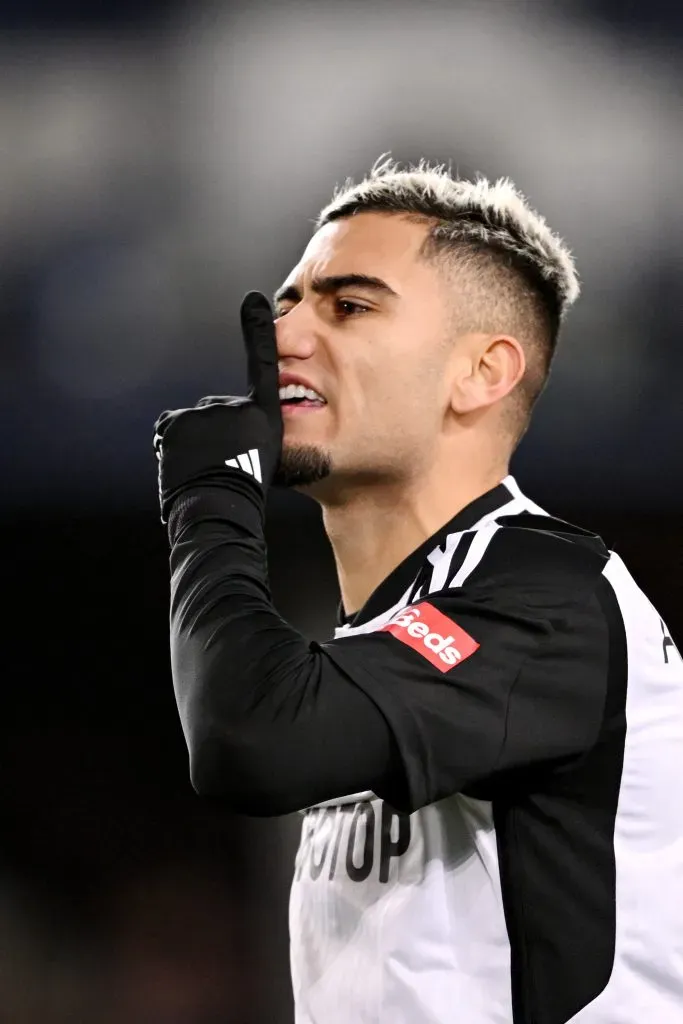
(432,634)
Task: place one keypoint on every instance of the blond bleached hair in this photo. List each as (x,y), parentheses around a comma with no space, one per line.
(521,276)
(487,214)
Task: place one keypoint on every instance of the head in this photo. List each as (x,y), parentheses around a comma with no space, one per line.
(425,311)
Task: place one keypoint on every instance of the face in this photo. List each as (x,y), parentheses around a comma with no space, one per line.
(363,321)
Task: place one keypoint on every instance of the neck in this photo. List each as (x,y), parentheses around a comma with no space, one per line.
(376,527)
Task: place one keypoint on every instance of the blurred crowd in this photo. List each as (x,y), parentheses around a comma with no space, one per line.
(155,169)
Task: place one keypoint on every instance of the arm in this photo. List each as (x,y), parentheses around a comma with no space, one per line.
(275,723)
(271,723)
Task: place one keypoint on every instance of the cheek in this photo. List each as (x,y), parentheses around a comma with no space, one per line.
(396,384)
(399,403)
(412,383)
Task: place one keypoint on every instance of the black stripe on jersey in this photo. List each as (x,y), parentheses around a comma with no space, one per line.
(557,863)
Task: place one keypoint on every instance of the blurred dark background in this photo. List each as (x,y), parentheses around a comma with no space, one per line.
(158,160)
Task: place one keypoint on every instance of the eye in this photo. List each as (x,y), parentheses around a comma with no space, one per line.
(347,307)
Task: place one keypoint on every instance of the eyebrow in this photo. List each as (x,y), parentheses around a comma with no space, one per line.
(334,283)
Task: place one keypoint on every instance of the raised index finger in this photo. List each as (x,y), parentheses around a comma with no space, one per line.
(260,343)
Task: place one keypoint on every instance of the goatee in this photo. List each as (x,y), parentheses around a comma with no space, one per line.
(302,465)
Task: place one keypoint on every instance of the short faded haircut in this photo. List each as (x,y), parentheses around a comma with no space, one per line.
(514,274)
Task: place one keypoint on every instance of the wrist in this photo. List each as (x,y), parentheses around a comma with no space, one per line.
(242,505)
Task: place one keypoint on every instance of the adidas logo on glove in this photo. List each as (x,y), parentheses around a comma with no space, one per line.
(249,462)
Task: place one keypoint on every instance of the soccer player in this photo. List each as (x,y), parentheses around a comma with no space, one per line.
(487,755)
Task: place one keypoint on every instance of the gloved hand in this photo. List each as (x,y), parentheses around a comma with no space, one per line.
(227,440)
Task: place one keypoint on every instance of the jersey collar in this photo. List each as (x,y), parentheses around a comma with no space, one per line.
(397,582)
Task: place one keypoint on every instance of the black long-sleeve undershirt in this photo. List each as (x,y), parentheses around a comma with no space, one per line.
(271,723)
(275,723)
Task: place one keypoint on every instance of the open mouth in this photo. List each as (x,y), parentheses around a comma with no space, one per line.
(296,396)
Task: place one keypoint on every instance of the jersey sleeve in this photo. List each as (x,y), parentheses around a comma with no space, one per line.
(499,678)
(464,690)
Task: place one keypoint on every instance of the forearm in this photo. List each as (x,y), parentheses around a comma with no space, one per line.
(270,722)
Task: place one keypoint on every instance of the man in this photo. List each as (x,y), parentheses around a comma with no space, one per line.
(487,754)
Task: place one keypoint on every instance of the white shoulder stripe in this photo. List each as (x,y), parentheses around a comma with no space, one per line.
(441,560)
(518,504)
(528,504)
(474,556)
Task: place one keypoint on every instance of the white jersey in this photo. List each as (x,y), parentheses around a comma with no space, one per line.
(548,888)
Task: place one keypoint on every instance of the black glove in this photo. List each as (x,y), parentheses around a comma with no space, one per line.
(227,441)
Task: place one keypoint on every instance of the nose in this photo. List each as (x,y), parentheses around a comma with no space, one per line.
(296,334)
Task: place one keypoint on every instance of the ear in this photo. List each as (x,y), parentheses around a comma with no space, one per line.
(486,369)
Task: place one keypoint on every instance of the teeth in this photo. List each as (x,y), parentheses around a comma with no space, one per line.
(299,391)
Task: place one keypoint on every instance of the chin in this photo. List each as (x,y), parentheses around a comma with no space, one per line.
(302,466)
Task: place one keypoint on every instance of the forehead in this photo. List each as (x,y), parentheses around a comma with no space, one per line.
(377,244)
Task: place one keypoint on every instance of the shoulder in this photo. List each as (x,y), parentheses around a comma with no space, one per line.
(530,555)
(544,544)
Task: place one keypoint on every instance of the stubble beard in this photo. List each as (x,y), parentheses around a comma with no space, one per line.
(302,466)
